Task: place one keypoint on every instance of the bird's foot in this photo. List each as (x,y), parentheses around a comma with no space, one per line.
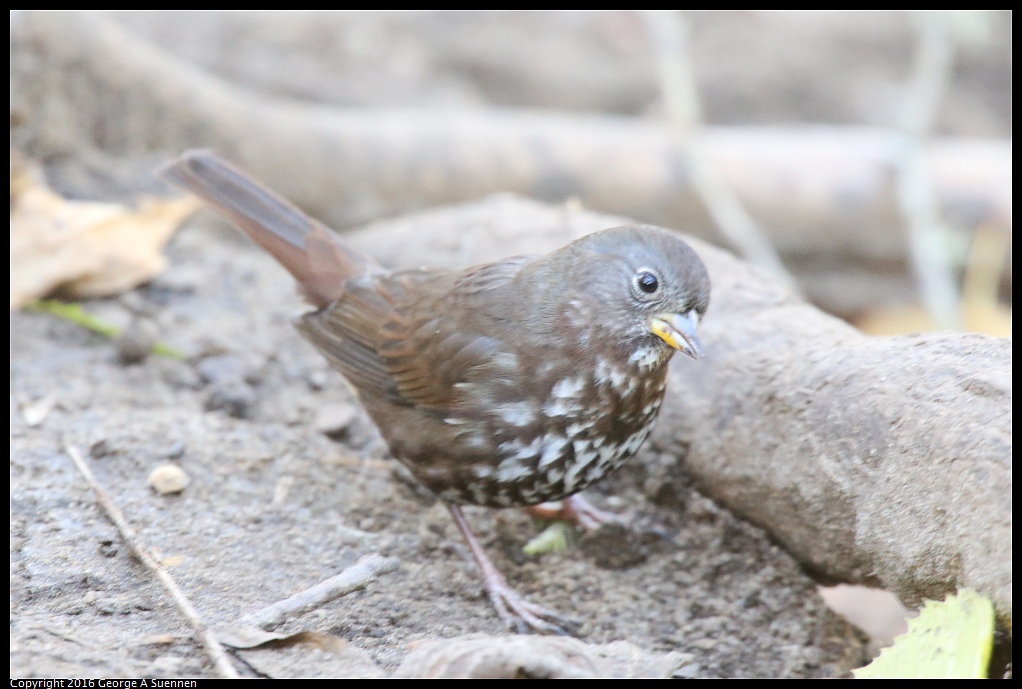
(518,613)
(522,615)
(576,510)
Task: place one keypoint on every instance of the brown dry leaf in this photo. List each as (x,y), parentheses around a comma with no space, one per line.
(86,249)
(304,654)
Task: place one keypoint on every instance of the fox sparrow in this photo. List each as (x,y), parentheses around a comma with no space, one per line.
(506,384)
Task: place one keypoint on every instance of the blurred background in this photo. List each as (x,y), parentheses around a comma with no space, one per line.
(864,158)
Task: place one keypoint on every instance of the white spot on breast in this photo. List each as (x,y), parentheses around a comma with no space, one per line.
(511,469)
(454,422)
(517,450)
(482,471)
(646,357)
(578,315)
(517,413)
(608,373)
(553,449)
(561,407)
(474,437)
(579,426)
(568,388)
(635,440)
(584,456)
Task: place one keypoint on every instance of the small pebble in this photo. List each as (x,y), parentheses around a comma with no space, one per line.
(136,343)
(333,419)
(36,412)
(281,490)
(234,397)
(99,446)
(317,380)
(168,478)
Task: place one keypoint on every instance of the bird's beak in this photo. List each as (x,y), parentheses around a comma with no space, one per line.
(679,331)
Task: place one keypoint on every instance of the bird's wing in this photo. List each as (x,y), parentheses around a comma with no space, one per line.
(414,336)
(347,334)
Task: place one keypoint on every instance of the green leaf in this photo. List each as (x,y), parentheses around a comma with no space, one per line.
(553,538)
(949,640)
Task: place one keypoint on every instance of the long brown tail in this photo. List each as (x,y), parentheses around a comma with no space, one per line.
(312,253)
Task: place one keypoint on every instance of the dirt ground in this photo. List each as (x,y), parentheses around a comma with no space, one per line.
(290,484)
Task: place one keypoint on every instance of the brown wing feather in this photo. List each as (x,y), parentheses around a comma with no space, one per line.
(347,333)
(383,333)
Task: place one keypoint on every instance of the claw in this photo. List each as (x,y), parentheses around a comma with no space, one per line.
(522,615)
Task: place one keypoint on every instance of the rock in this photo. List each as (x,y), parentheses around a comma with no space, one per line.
(168,478)
(136,342)
(333,419)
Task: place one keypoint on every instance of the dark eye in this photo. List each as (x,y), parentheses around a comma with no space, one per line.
(647,281)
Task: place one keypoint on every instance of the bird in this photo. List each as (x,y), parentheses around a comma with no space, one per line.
(508,384)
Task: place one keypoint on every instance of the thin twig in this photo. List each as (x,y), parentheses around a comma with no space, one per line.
(213,647)
(916,194)
(354,578)
(669,31)
(74,313)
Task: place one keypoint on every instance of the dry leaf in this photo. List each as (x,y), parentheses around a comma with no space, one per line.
(304,654)
(86,249)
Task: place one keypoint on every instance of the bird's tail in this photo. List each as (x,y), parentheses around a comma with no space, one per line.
(311,252)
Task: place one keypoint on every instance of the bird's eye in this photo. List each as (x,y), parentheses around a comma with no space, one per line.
(646,281)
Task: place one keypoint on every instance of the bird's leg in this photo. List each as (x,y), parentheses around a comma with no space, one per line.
(576,510)
(517,612)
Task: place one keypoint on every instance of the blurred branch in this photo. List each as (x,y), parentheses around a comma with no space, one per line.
(354,578)
(86,93)
(917,197)
(670,32)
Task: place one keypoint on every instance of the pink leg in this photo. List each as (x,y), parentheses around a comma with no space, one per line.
(517,612)
(576,510)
